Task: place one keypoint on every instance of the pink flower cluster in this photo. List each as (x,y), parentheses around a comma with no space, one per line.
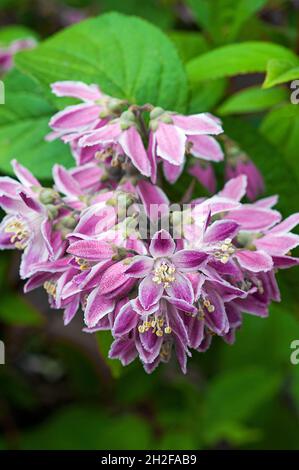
(7,53)
(106,241)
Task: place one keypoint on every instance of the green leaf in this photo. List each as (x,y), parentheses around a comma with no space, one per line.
(88,428)
(152,10)
(23,126)
(251,100)
(15,310)
(234,59)
(104,339)
(127,56)
(233,396)
(280,71)
(189,44)
(281,128)
(223,19)
(206,96)
(12,33)
(278,174)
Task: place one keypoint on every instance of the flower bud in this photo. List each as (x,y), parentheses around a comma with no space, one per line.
(48,196)
(156,112)
(70,221)
(52,211)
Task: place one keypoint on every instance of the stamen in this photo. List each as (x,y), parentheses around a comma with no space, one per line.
(20,233)
(83,264)
(156,325)
(50,288)
(164,274)
(225,250)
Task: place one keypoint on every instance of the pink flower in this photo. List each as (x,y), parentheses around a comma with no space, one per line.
(204,173)
(7,53)
(172,135)
(244,166)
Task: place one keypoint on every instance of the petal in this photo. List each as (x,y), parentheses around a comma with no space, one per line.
(221,230)
(75,117)
(286,225)
(181,305)
(76,90)
(154,200)
(141,266)
(91,249)
(32,203)
(108,133)
(71,310)
(64,182)
(284,262)
(132,145)
(254,261)
(204,173)
(149,292)
(267,202)
(123,349)
(126,320)
(235,188)
(206,148)
(171,143)
(24,175)
(253,218)
(114,277)
(97,307)
(172,172)
(186,260)
(195,330)
(197,124)
(217,320)
(162,244)
(181,288)
(277,244)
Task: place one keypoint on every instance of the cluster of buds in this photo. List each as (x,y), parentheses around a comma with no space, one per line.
(104,242)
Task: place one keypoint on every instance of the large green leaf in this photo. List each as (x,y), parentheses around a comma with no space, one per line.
(88,428)
(253,99)
(16,311)
(281,127)
(232,397)
(189,44)
(278,173)
(280,71)
(223,19)
(127,56)
(23,126)
(234,59)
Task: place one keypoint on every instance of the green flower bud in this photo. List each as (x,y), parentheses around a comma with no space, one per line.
(70,221)
(48,196)
(156,112)
(52,211)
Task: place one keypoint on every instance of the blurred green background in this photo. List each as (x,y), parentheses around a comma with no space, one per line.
(57,389)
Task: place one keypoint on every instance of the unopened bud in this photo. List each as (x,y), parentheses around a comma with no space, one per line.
(52,211)
(156,112)
(70,221)
(48,196)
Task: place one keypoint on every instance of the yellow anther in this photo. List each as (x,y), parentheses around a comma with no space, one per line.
(159,333)
(83,264)
(20,234)
(164,274)
(50,288)
(168,330)
(141,329)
